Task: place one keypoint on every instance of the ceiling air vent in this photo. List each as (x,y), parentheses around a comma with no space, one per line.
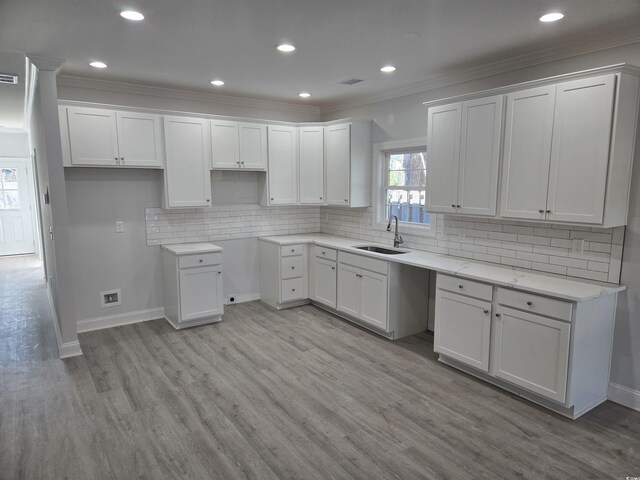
(8,78)
(351,81)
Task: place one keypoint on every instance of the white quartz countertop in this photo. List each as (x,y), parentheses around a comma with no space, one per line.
(192,248)
(545,284)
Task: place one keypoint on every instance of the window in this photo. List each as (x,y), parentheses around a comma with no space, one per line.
(9,189)
(405,186)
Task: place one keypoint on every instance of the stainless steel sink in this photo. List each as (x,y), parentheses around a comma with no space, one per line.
(384,251)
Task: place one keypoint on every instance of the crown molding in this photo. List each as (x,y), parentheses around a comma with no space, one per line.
(46,63)
(567,50)
(179,94)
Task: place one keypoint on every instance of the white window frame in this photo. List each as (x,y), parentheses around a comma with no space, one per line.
(380,151)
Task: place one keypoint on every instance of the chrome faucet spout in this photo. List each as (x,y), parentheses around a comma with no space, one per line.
(397,239)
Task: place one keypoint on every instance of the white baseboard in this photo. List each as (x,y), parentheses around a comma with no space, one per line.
(108,321)
(65,350)
(242,298)
(624,396)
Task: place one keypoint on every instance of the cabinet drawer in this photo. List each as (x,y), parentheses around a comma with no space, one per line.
(379,266)
(324,252)
(291,250)
(292,267)
(292,289)
(535,304)
(463,286)
(186,261)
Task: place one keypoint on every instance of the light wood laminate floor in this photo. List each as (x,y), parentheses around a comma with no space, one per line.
(297,394)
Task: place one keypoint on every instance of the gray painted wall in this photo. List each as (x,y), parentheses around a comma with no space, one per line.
(406,117)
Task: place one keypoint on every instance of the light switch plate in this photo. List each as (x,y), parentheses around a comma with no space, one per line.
(577,246)
(119,227)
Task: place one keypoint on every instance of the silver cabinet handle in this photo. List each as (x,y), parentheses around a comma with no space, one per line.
(116,159)
(530,303)
(458,206)
(293,268)
(241,163)
(238,163)
(453,206)
(333,268)
(293,250)
(460,286)
(486,311)
(200,260)
(346,200)
(208,200)
(548,211)
(122,160)
(498,315)
(293,289)
(320,198)
(541,211)
(219,273)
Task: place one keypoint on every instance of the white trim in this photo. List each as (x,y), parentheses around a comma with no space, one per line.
(108,321)
(65,350)
(624,396)
(174,93)
(377,177)
(250,297)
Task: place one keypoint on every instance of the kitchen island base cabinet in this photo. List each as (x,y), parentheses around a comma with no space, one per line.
(192,284)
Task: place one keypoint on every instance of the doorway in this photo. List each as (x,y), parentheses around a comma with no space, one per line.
(16,208)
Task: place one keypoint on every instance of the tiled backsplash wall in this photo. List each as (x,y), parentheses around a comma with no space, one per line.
(546,248)
(535,246)
(226,222)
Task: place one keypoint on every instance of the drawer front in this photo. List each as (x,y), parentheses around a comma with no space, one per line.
(199,260)
(324,252)
(291,250)
(471,288)
(292,267)
(378,266)
(535,304)
(292,289)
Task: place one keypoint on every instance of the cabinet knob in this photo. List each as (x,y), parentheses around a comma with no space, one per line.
(346,200)
(272,199)
(530,303)
(200,260)
(460,286)
(458,206)
(293,289)
(238,162)
(541,211)
(498,315)
(453,206)
(320,198)
(219,273)
(333,268)
(122,159)
(548,211)
(208,200)
(324,253)
(241,163)
(116,159)
(486,311)
(293,250)
(293,268)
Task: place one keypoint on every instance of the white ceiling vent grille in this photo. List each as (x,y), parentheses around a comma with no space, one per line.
(351,81)
(8,78)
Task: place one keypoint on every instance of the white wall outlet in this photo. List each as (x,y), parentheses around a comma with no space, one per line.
(119,227)
(577,246)
(110,298)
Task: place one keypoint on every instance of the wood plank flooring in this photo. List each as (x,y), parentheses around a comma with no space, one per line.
(297,394)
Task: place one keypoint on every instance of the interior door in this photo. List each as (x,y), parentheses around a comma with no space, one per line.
(16,221)
(140,139)
(580,150)
(527,152)
(443,158)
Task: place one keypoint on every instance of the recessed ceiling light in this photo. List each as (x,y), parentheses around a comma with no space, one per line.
(132,15)
(304,94)
(98,64)
(388,69)
(551,17)
(285,48)
(217,83)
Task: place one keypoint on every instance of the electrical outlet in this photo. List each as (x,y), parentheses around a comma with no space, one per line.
(110,298)
(577,246)
(119,227)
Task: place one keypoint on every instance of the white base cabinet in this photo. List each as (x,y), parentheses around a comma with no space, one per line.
(323,276)
(552,352)
(283,274)
(192,284)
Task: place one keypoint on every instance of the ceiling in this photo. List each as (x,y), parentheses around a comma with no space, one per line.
(185,44)
(12,96)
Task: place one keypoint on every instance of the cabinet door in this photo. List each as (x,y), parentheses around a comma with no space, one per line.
(580,150)
(480,155)
(349,290)
(373,299)
(527,152)
(324,282)
(225,144)
(338,164)
(187,173)
(311,163)
(200,292)
(462,329)
(140,139)
(443,157)
(93,137)
(283,162)
(253,146)
(531,351)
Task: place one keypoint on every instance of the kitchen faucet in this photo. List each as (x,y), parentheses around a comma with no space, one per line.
(397,239)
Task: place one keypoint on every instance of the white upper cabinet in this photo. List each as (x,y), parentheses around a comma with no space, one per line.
(311,163)
(107,138)
(225,144)
(348,156)
(463,155)
(238,145)
(283,162)
(580,150)
(527,149)
(187,172)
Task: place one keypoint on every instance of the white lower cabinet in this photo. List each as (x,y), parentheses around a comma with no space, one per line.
(283,274)
(192,284)
(324,276)
(553,352)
